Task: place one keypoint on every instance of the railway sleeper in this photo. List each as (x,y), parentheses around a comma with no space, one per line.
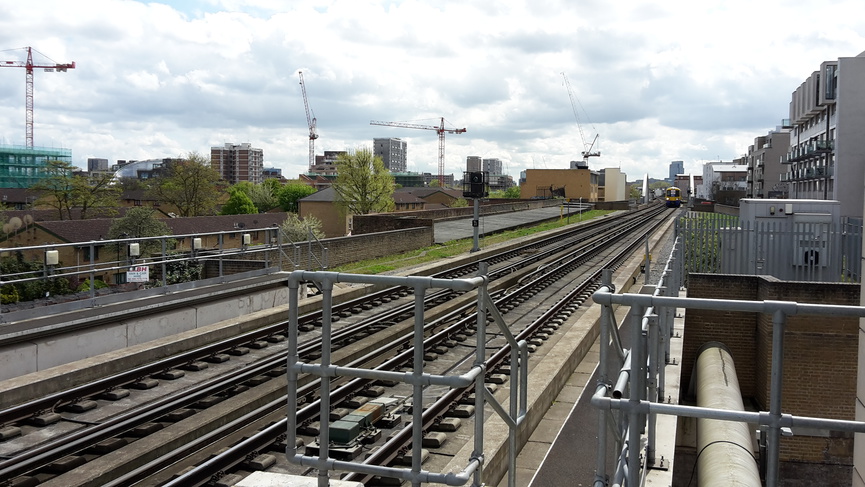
(82,406)
(9,432)
(114,394)
(406,459)
(449,425)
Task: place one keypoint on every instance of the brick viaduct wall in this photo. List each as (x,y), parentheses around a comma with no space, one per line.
(820,361)
(340,250)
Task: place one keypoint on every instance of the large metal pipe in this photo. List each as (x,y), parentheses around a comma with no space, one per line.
(724,448)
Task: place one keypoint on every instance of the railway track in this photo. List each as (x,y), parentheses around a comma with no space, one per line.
(372,332)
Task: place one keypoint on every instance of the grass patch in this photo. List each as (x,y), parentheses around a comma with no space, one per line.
(454,248)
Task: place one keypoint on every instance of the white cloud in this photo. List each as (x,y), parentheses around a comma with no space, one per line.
(677,80)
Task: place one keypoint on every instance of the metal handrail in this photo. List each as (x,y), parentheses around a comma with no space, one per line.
(651,321)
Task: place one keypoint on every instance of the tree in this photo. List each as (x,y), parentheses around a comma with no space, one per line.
(140,222)
(190,185)
(459,203)
(55,187)
(291,193)
(95,193)
(363,185)
(64,191)
(513,192)
(264,195)
(297,229)
(238,203)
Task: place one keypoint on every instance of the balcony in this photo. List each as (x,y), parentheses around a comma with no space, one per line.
(812,150)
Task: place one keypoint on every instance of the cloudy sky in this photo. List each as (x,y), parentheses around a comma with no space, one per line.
(656,81)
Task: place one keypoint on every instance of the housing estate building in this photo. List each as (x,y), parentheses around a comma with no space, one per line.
(724,182)
(764,165)
(492,166)
(826,156)
(238,162)
(393,152)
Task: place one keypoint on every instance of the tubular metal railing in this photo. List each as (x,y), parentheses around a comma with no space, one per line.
(630,381)
(149,261)
(513,416)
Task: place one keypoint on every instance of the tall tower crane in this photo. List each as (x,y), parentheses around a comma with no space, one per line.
(310,121)
(28,102)
(587,147)
(440,130)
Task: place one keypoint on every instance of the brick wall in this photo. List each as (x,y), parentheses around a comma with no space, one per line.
(340,250)
(820,358)
(738,331)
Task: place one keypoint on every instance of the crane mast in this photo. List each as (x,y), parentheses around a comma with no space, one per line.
(310,122)
(587,147)
(28,96)
(439,129)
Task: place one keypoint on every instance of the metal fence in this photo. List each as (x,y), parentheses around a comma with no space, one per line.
(806,251)
(630,388)
(94,273)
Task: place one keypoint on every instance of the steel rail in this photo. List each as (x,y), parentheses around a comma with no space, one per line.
(236,454)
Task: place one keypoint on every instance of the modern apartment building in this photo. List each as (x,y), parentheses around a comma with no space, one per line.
(393,153)
(238,162)
(764,165)
(492,166)
(96,164)
(474,164)
(826,157)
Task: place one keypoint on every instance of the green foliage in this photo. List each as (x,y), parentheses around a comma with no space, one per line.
(239,203)
(297,229)
(85,285)
(459,203)
(702,241)
(62,190)
(140,222)
(292,192)
(363,185)
(190,185)
(513,192)
(183,271)
(264,195)
(16,268)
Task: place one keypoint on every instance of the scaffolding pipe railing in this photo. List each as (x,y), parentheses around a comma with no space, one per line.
(416,378)
(639,407)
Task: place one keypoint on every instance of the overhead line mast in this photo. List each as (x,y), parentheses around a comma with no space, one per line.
(28,97)
(310,121)
(440,130)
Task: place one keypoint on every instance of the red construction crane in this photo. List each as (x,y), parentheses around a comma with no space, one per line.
(28,65)
(440,130)
(310,121)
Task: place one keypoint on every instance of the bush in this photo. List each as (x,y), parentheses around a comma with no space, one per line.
(85,285)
